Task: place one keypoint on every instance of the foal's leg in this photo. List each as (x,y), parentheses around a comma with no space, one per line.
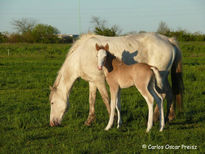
(158,98)
(114,92)
(118,107)
(150,102)
(170,115)
(164,76)
(92,97)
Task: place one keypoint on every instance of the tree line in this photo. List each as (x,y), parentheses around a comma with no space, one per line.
(29,31)
(181,35)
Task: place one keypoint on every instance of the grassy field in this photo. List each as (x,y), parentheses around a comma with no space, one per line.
(27,70)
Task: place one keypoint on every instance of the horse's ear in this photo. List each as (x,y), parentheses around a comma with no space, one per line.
(107,47)
(97,47)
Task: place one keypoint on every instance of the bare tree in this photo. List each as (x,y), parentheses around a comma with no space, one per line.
(98,22)
(23,25)
(163,28)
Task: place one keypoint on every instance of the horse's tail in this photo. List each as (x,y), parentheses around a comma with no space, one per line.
(157,77)
(176,75)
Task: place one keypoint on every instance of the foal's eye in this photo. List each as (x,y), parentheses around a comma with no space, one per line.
(52,103)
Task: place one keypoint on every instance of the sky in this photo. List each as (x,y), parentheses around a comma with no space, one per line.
(74,16)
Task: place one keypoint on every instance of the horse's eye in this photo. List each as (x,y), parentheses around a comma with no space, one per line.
(52,103)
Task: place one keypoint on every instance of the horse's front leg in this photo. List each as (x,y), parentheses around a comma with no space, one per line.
(103,92)
(92,98)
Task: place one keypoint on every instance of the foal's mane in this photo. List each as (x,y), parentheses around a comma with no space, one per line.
(109,59)
(112,56)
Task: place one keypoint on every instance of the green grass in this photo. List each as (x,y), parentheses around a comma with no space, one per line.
(29,69)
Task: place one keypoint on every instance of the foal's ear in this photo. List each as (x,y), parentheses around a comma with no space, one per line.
(107,47)
(97,47)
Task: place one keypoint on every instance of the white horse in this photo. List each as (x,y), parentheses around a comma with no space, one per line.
(119,75)
(151,48)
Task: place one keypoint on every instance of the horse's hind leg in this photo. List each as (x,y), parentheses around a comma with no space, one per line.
(170,108)
(92,97)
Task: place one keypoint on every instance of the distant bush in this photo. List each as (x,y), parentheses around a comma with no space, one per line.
(182,35)
(14,38)
(3,38)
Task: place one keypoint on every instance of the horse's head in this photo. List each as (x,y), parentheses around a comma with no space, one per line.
(101,55)
(58,106)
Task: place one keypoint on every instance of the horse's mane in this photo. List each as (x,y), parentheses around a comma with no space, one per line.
(73,48)
(76,44)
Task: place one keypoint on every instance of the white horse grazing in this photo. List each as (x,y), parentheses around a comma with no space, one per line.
(119,75)
(81,61)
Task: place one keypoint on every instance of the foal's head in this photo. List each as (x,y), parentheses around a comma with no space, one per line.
(101,54)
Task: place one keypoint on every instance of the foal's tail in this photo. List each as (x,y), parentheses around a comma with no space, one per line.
(157,77)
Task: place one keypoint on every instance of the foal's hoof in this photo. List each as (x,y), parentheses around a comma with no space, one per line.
(147,131)
(161,129)
(107,128)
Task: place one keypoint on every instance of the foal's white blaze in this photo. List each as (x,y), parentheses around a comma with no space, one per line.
(101,57)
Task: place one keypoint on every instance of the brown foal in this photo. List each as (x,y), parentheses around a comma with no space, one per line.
(119,75)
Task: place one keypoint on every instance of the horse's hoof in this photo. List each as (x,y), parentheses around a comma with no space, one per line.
(89,121)
(171,116)
(156,117)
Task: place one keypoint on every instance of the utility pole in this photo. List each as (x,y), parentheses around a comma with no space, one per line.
(79,18)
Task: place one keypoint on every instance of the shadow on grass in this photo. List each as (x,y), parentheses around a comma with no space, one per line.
(188,120)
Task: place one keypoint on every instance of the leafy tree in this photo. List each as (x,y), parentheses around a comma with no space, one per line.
(100,27)
(45,33)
